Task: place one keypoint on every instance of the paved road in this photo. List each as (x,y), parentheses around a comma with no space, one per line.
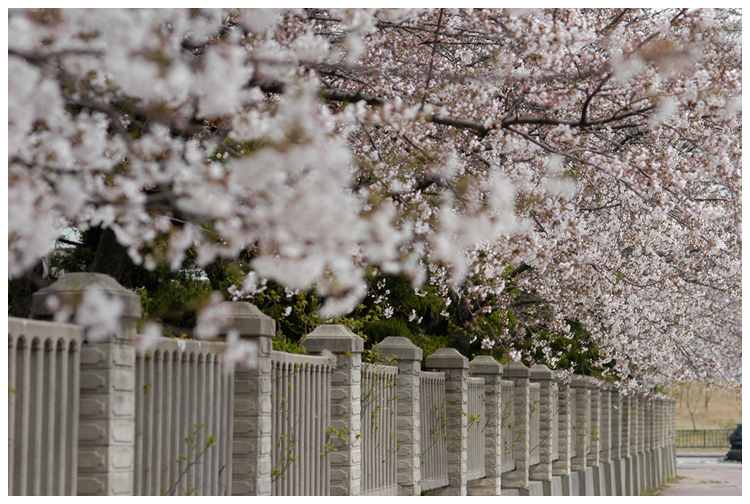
(706,474)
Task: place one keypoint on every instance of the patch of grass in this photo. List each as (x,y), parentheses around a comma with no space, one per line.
(722,410)
(714,482)
(657,490)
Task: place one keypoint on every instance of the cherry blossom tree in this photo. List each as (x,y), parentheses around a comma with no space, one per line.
(542,166)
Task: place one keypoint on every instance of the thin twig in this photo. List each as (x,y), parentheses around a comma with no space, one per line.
(432,60)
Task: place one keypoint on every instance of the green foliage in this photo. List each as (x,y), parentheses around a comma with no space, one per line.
(176,300)
(171,297)
(413,315)
(287,446)
(195,452)
(281,343)
(378,330)
(577,350)
(296,313)
(392,307)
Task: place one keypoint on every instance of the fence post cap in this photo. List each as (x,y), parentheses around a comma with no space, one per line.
(400,347)
(485,364)
(335,338)
(447,358)
(516,370)
(541,372)
(578,381)
(249,321)
(69,290)
(604,386)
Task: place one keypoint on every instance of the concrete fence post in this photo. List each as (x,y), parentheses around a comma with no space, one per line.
(346,404)
(668,438)
(592,458)
(641,444)
(658,452)
(582,435)
(656,442)
(651,442)
(519,478)
(665,434)
(673,440)
(605,441)
(664,430)
(251,447)
(626,444)
(615,408)
(485,366)
(547,415)
(455,366)
(106,439)
(561,466)
(617,453)
(409,359)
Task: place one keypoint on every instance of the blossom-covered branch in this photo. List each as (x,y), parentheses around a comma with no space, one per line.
(541,168)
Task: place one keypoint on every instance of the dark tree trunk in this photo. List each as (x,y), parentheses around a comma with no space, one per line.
(21,290)
(110,257)
(461,341)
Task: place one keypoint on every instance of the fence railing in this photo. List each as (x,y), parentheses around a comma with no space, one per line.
(379,442)
(300,393)
(183,406)
(507,397)
(97,418)
(706,438)
(43,403)
(433,420)
(477,419)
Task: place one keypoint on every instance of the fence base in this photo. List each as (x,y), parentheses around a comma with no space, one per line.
(553,487)
(608,469)
(618,481)
(599,480)
(571,484)
(536,489)
(640,470)
(586,482)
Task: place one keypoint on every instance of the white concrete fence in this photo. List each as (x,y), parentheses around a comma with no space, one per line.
(98,418)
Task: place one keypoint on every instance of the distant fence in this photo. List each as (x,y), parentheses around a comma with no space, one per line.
(98,418)
(706,438)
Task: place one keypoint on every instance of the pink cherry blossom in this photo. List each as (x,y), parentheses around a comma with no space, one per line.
(583,161)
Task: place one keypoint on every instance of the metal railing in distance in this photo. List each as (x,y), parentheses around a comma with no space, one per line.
(705,438)
(433,419)
(300,405)
(476,422)
(43,405)
(506,394)
(184,407)
(534,424)
(379,442)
